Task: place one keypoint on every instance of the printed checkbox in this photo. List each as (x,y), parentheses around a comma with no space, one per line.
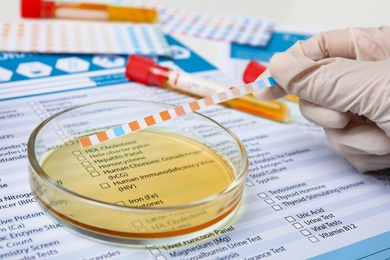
(90,169)
(104,185)
(81,158)
(249,183)
(290,219)
(262,195)
(297,225)
(120,203)
(94,174)
(305,232)
(313,239)
(85,164)
(269,201)
(76,153)
(154,251)
(277,207)
(160,257)
(137,223)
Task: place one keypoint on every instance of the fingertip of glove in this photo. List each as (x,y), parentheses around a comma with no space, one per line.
(271,93)
(323,116)
(284,66)
(286,60)
(282,58)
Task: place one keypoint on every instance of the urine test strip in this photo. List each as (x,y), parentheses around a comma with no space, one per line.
(171,113)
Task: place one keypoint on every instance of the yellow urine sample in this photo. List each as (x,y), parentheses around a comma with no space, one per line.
(145,169)
(105,12)
(152,187)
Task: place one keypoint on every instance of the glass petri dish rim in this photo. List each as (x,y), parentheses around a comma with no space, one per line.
(34,164)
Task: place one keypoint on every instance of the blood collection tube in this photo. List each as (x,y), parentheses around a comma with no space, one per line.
(146,71)
(253,70)
(87,11)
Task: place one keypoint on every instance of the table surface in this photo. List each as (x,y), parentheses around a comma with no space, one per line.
(303,14)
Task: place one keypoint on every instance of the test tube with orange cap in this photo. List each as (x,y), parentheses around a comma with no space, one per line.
(86,11)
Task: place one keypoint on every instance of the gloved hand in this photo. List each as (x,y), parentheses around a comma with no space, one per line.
(342,78)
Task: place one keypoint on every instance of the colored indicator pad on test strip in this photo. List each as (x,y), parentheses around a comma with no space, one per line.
(168,114)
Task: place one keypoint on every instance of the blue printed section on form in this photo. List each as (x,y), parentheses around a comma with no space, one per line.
(22,66)
(19,67)
(279,42)
(377,247)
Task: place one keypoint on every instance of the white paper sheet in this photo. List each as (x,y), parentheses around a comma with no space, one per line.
(301,199)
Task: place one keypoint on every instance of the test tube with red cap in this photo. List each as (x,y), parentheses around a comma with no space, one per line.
(90,11)
(148,72)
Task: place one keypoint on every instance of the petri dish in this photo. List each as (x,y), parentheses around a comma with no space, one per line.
(167,183)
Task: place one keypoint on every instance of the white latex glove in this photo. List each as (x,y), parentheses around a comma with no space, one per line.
(343,81)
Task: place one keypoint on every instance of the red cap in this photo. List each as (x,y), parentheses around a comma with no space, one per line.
(138,69)
(37,8)
(145,71)
(252,71)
